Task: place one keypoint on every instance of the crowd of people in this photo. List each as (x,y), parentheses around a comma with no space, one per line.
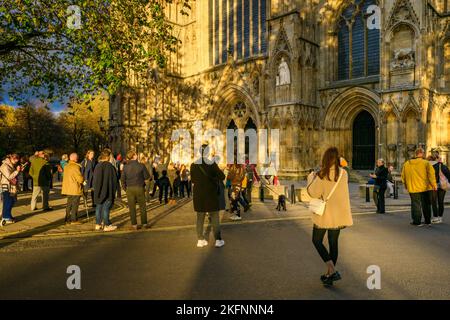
(425,179)
(99,180)
(215,189)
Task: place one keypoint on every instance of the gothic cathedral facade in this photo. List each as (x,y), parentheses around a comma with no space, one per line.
(371,77)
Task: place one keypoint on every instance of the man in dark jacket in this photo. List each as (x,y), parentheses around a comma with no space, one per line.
(380,176)
(133,182)
(206,195)
(105,188)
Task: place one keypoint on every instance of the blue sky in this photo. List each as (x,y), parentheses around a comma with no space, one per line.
(55,107)
(5,99)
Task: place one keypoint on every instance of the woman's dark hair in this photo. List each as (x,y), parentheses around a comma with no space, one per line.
(330,159)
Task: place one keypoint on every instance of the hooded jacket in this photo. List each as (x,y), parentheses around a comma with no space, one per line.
(7,172)
(418,175)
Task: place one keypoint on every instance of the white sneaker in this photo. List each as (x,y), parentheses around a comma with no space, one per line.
(202,243)
(235,218)
(98,227)
(220,243)
(435,220)
(109,228)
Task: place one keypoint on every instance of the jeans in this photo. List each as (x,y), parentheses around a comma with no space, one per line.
(213,218)
(102,212)
(73,203)
(36,192)
(8,203)
(421,202)
(136,195)
(333,237)
(437,201)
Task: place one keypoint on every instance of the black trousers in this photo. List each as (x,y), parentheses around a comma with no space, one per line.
(185,186)
(136,195)
(437,202)
(163,192)
(333,237)
(421,203)
(379,199)
(155,185)
(73,203)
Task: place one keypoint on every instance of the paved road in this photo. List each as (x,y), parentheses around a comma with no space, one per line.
(261,260)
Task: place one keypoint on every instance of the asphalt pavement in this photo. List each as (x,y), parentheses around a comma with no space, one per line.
(262,259)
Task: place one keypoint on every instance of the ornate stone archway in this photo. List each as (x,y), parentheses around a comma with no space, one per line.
(340,116)
(235,104)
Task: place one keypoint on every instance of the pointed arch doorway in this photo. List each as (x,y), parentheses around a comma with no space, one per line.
(363,141)
(250,124)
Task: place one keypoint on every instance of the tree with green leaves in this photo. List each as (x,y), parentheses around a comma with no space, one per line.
(50,52)
(80,125)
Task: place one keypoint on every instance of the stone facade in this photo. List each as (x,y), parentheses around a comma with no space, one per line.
(308,68)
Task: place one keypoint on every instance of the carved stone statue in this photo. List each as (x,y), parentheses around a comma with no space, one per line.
(403,58)
(284,75)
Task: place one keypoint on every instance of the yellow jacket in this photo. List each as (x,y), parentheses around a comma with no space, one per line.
(72,180)
(418,176)
(244,182)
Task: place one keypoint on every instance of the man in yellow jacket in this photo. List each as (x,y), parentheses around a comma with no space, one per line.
(72,187)
(419,178)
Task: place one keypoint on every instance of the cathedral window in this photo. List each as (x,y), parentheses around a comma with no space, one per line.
(358,46)
(237,27)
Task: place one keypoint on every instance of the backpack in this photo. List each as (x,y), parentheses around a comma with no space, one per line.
(443,181)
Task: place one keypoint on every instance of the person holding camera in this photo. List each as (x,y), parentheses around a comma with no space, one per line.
(9,185)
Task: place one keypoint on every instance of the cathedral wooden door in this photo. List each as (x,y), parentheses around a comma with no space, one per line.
(363,142)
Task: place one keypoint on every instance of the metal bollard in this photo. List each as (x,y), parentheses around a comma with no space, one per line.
(261,193)
(395,189)
(367,193)
(292,194)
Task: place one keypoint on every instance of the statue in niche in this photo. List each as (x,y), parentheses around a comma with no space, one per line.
(403,58)
(284,75)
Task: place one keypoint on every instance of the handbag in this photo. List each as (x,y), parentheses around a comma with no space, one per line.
(443,181)
(317,206)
